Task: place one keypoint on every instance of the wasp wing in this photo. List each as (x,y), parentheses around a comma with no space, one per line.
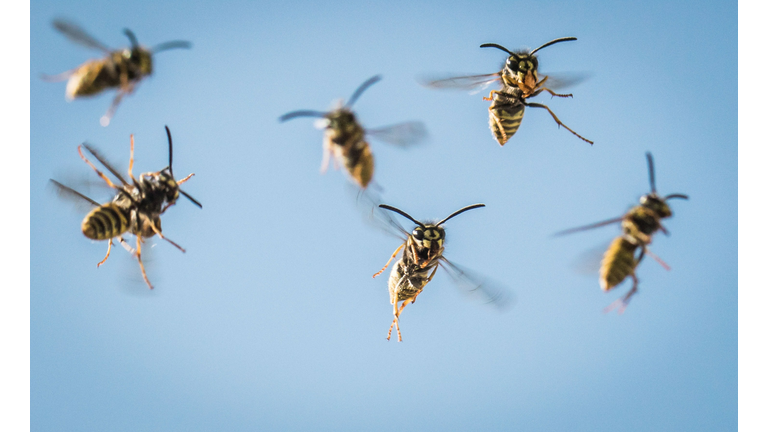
(92,150)
(401,134)
(469,281)
(564,80)
(469,82)
(589,227)
(77,35)
(368,202)
(74,196)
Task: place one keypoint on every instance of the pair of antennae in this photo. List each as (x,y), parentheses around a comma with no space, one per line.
(159,47)
(652,177)
(170,167)
(552,42)
(457,212)
(355,96)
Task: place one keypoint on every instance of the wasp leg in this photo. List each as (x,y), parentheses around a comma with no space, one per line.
(396,321)
(326,157)
(538,105)
(101,174)
(390,260)
(126,246)
(109,248)
(623,302)
(658,260)
(160,234)
(184,179)
(490,95)
(141,264)
(107,117)
(557,94)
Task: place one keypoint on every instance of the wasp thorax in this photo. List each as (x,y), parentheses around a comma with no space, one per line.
(655,203)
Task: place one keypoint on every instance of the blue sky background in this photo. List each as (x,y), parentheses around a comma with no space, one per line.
(271,320)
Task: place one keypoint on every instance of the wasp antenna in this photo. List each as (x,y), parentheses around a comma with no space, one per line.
(189,197)
(651,174)
(682,196)
(460,211)
(363,87)
(552,42)
(493,45)
(305,113)
(397,210)
(132,38)
(170,150)
(171,45)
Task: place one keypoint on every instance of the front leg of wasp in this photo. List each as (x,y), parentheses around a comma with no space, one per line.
(390,260)
(160,234)
(559,123)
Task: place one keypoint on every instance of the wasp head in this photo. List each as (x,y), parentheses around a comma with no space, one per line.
(429,237)
(523,66)
(657,204)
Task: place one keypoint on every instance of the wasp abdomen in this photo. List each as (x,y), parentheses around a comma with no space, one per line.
(358,160)
(105,222)
(505,119)
(618,263)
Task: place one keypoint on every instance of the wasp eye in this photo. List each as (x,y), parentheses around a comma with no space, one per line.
(418,234)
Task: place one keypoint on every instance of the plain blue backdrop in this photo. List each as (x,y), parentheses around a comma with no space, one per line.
(271,320)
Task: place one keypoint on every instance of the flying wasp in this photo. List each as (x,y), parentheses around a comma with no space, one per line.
(345,138)
(122,69)
(519,81)
(137,206)
(638,226)
(422,254)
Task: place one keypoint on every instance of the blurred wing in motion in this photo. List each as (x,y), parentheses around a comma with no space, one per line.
(77,35)
(587,263)
(401,134)
(564,80)
(473,283)
(92,150)
(590,226)
(368,203)
(470,82)
(69,194)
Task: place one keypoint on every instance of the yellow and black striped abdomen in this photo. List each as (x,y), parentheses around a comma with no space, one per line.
(358,160)
(105,222)
(504,120)
(618,263)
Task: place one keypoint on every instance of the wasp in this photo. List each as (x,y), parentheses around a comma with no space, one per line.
(136,207)
(626,251)
(122,69)
(519,80)
(422,255)
(346,140)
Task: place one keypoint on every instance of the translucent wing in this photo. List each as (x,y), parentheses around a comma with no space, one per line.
(564,80)
(469,281)
(591,226)
(77,35)
(92,150)
(470,82)
(368,203)
(401,134)
(73,196)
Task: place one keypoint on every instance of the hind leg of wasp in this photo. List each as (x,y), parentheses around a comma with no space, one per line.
(396,321)
(107,117)
(109,249)
(160,234)
(538,105)
(141,264)
(623,302)
(390,260)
